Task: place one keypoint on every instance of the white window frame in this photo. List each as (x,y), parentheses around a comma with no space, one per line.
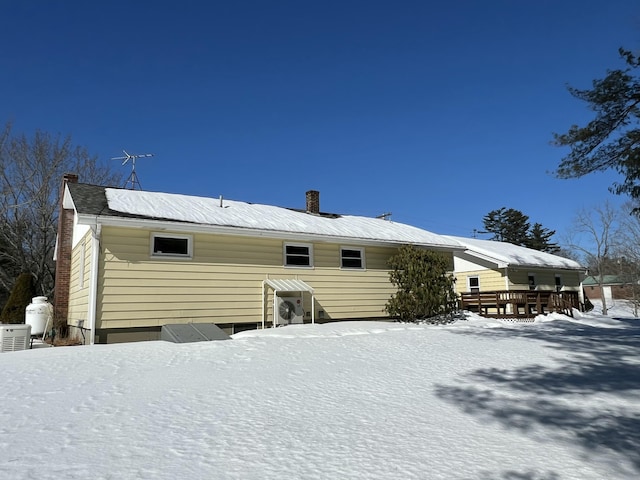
(469,283)
(309,246)
(355,249)
(535,282)
(558,282)
(188,238)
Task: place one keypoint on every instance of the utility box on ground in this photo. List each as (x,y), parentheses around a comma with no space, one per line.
(192,332)
(14,337)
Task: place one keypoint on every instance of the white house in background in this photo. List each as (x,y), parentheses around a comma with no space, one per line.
(129,262)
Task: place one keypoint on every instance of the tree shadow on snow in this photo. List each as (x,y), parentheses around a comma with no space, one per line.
(513,475)
(590,360)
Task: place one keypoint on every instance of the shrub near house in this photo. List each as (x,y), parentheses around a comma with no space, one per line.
(21,295)
(425,286)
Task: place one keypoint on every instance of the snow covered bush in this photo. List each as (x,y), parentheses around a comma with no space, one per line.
(425,286)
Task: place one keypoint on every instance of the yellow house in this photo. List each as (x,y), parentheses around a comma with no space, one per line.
(130,261)
(490,266)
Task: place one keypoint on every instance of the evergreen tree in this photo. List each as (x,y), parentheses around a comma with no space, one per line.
(539,238)
(512,226)
(612,139)
(494,223)
(507,225)
(21,294)
(8,269)
(425,288)
(516,227)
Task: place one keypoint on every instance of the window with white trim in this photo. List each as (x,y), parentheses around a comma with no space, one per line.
(352,257)
(298,255)
(171,245)
(558,282)
(531,278)
(473,283)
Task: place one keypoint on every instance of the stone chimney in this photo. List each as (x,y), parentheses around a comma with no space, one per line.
(63,257)
(313,201)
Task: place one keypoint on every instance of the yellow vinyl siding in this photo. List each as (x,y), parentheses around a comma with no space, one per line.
(222,282)
(545,279)
(79,287)
(489,280)
(571,280)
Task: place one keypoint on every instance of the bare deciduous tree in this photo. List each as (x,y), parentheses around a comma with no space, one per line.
(592,235)
(628,252)
(31,170)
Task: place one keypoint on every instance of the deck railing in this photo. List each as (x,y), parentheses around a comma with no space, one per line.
(519,303)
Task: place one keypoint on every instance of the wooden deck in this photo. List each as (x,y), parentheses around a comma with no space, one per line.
(519,304)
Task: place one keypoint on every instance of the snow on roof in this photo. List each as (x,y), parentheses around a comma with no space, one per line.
(288,285)
(606,280)
(514,255)
(207,211)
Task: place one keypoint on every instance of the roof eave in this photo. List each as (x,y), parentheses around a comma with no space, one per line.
(247,232)
(502,264)
(557,267)
(488,258)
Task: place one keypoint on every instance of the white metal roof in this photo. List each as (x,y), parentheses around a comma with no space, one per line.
(244,217)
(508,254)
(285,285)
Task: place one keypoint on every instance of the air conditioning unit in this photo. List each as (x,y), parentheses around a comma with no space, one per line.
(14,337)
(289,310)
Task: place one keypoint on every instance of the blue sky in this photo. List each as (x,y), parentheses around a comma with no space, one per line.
(438,112)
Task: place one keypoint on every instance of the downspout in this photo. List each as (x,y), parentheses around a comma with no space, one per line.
(275,309)
(263,303)
(506,287)
(93,284)
(506,278)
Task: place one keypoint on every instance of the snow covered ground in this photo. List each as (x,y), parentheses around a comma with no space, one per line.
(554,400)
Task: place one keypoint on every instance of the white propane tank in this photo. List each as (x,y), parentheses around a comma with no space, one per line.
(37,314)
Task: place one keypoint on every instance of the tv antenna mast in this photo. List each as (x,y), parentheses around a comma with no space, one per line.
(476,232)
(132,181)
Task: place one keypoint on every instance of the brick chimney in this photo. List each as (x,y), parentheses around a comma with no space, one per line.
(63,257)
(313,201)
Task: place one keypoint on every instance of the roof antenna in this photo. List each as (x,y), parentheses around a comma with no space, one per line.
(132,181)
(476,232)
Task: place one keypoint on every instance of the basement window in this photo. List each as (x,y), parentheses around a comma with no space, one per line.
(163,245)
(298,255)
(352,257)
